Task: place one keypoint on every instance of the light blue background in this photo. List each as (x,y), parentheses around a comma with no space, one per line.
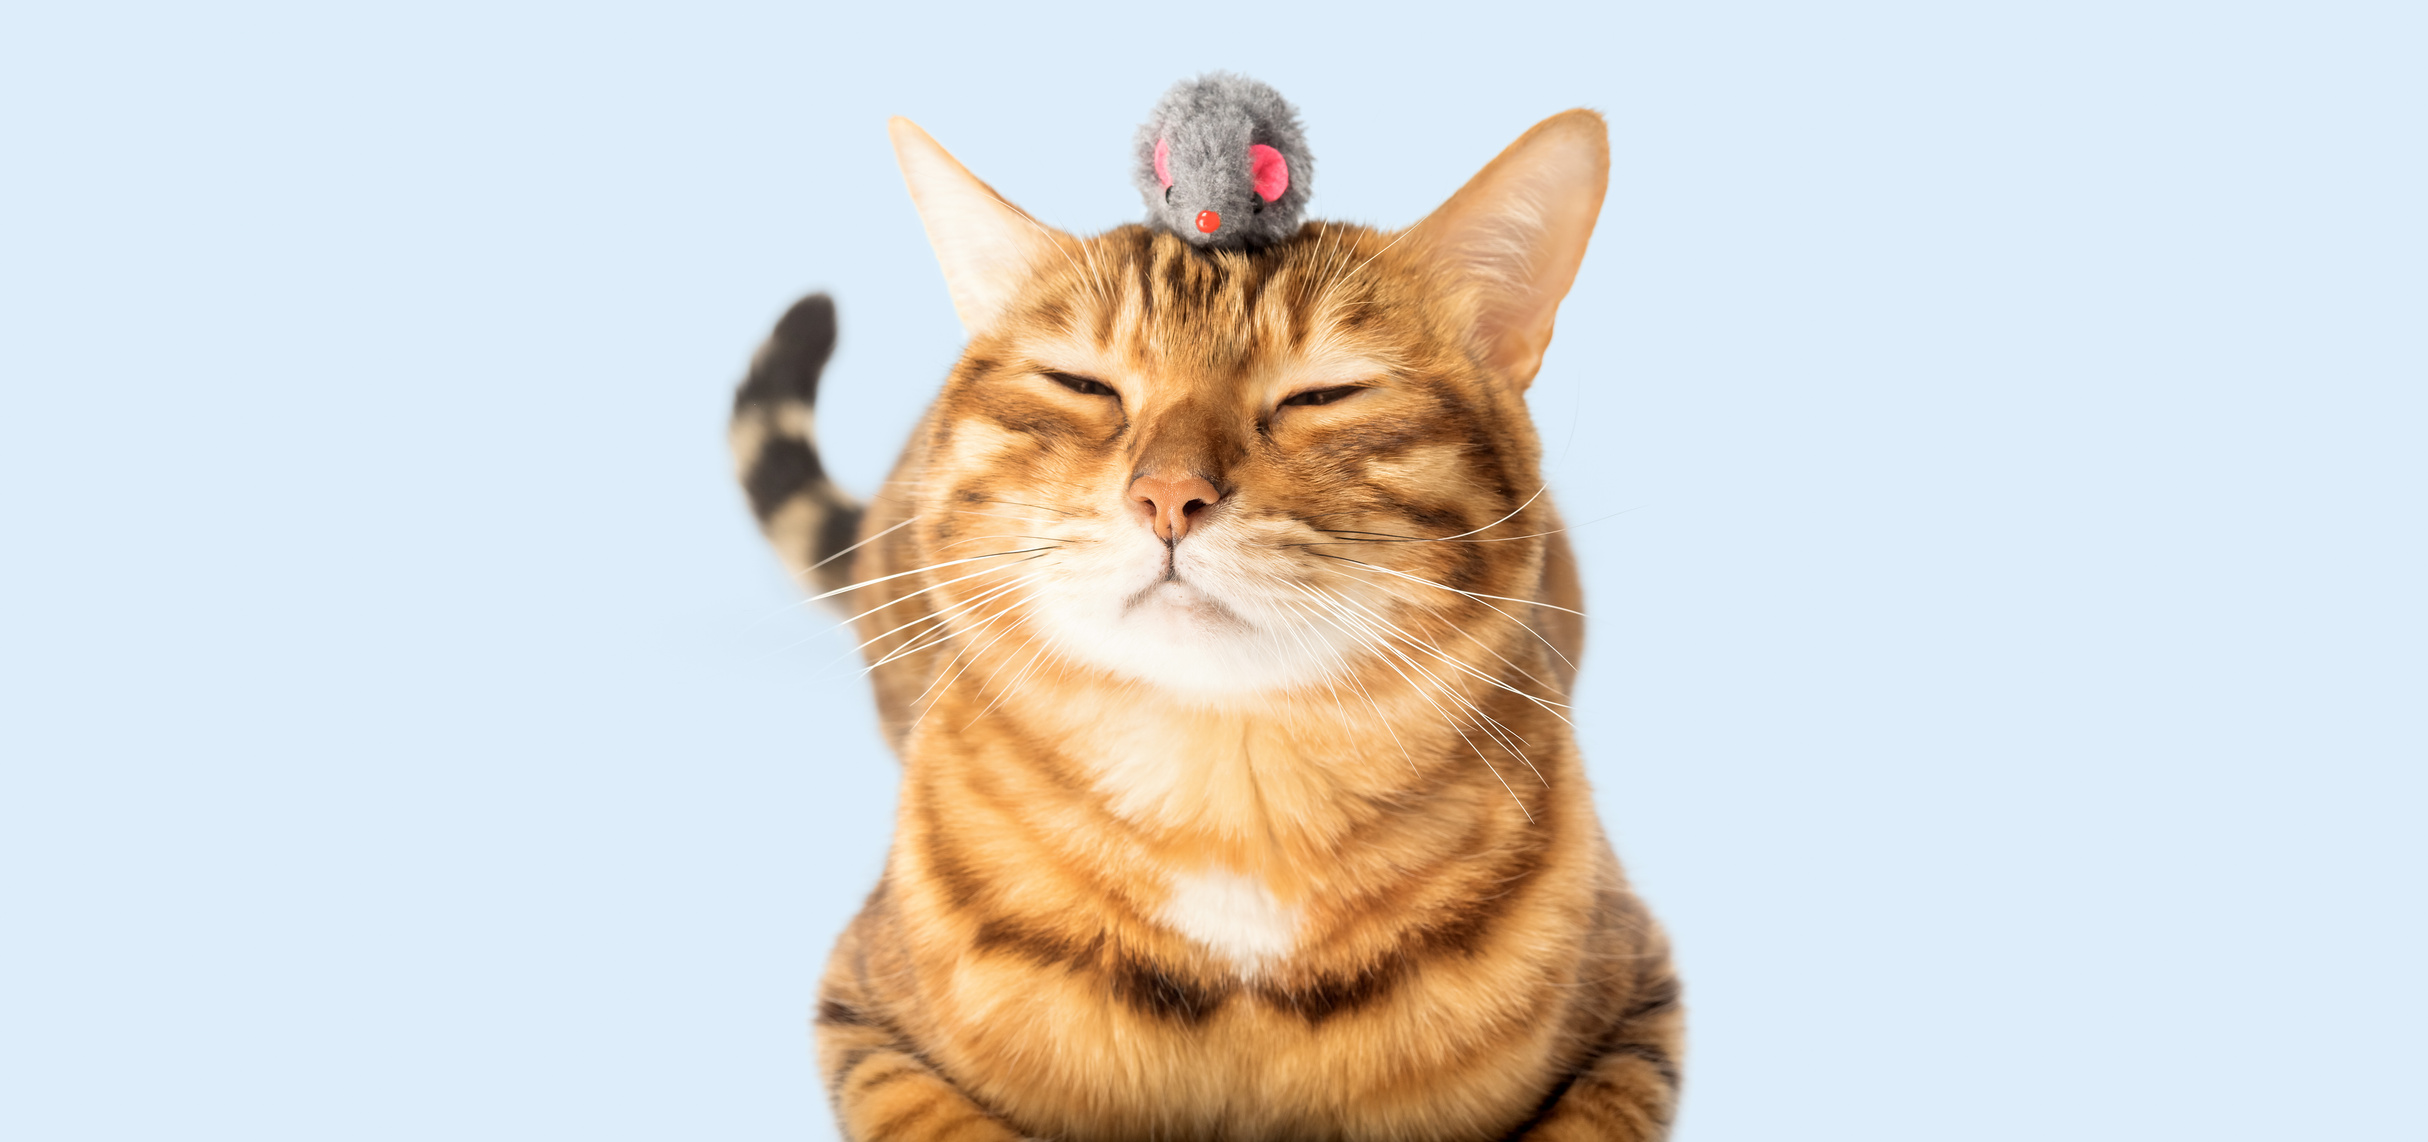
(2006,679)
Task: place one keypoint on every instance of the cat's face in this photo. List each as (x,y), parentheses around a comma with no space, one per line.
(1229,473)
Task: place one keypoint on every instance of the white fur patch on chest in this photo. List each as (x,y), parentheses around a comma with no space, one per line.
(1231,914)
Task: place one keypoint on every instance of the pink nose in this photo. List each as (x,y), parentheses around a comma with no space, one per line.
(1166,503)
(1208,222)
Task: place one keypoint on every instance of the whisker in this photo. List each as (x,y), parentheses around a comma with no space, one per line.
(1485,723)
(1482,600)
(937,635)
(1361,266)
(1444,587)
(1003,515)
(1056,539)
(957,657)
(957,654)
(1470,635)
(1538,494)
(947,613)
(861,544)
(1018,504)
(1378,623)
(940,586)
(1353,680)
(1008,687)
(841,623)
(924,570)
(968,647)
(1389,537)
(1419,691)
(1552,708)
(1313,654)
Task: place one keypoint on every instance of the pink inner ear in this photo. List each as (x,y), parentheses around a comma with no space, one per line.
(1163,161)
(1271,171)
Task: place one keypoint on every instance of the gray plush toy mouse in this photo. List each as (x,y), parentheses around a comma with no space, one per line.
(1222,163)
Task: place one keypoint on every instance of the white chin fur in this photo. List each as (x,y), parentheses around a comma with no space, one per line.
(1219,630)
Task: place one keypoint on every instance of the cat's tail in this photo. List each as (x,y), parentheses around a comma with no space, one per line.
(811,522)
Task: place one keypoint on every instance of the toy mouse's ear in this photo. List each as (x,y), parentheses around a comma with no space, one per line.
(1270,170)
(1163,161)
(989,247)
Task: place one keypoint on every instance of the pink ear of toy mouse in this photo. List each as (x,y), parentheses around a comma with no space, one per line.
(1271,171)
(1163,162)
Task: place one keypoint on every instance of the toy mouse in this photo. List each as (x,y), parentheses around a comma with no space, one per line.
(1222,163)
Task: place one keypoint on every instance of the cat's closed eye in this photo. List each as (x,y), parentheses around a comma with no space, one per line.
(1083,385)
(1322,396)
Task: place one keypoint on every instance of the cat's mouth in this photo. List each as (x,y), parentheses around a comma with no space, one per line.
(1174,595)
(1203,624)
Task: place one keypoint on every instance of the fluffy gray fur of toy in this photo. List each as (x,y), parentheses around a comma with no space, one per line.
(1209,123)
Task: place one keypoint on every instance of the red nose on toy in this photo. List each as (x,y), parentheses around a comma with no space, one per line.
(1208,222)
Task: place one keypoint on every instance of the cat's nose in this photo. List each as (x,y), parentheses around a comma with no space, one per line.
(1166,504)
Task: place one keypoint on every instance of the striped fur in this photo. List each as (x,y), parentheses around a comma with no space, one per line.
(1171,876)
(800,510)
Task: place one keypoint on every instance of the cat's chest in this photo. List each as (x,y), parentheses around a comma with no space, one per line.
(1242,1058)
(1224,1005)
(1236,917)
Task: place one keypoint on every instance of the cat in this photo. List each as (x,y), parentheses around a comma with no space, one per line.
(1221,623)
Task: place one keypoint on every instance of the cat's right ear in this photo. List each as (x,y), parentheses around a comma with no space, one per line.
(989,248)
(1514,236)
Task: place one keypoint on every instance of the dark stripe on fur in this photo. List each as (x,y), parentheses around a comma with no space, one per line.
(832,1013)
(1146,986)
(1662,1064)
(1040,948)
(1657,997)
(1460,933)
(795,355)
(1330,995)
(783,468)
(1542,1111)
(1463,932)
(850,1062)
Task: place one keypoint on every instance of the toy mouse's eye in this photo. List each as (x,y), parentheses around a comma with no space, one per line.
(1167,194)
(1082,385)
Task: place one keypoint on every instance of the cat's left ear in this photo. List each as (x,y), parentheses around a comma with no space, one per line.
(989,247)
(1514,235)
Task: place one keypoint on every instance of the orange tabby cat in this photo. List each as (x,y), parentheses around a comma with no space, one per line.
(1223,628)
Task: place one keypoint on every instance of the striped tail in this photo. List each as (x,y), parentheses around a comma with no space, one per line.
(809,520)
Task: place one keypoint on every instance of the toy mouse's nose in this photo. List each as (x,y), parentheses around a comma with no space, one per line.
(1208,222)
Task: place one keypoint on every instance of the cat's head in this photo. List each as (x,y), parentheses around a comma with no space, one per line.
(1227,473)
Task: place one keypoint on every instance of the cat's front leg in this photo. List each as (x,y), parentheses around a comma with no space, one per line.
(1628,1090)
(1629,1095)
(884,1091)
